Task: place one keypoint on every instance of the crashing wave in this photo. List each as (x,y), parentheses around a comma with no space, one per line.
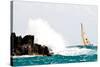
(46,35)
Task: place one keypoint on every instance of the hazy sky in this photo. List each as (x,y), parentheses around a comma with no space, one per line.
(64,18)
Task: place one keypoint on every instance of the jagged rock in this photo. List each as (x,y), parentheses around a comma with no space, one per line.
(26,46)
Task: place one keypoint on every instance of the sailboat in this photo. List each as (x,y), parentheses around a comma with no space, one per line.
(85,39)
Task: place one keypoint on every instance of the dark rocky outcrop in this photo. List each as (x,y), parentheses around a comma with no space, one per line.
(26,46)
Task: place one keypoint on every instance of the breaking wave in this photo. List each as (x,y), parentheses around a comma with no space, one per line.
(46,35)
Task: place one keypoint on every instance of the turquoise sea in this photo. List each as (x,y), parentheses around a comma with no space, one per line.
(91,56)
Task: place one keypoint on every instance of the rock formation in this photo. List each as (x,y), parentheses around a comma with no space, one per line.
(26,46)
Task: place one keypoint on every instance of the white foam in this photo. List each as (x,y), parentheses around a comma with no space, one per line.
(46,35)
(77,51)
(25,56)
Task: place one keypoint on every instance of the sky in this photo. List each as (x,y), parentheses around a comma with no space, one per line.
(63,18)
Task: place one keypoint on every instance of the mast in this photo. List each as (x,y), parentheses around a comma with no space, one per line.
(84,36)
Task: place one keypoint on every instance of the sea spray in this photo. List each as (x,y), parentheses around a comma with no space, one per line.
(46,35)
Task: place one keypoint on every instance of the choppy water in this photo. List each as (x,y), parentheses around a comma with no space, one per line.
(89,55)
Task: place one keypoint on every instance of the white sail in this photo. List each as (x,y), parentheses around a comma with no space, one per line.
(84,36)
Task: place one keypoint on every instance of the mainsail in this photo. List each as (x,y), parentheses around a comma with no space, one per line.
(84,36)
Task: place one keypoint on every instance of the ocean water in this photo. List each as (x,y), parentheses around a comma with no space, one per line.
(75,54)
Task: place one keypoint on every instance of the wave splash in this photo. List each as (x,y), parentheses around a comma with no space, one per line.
(46,35)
